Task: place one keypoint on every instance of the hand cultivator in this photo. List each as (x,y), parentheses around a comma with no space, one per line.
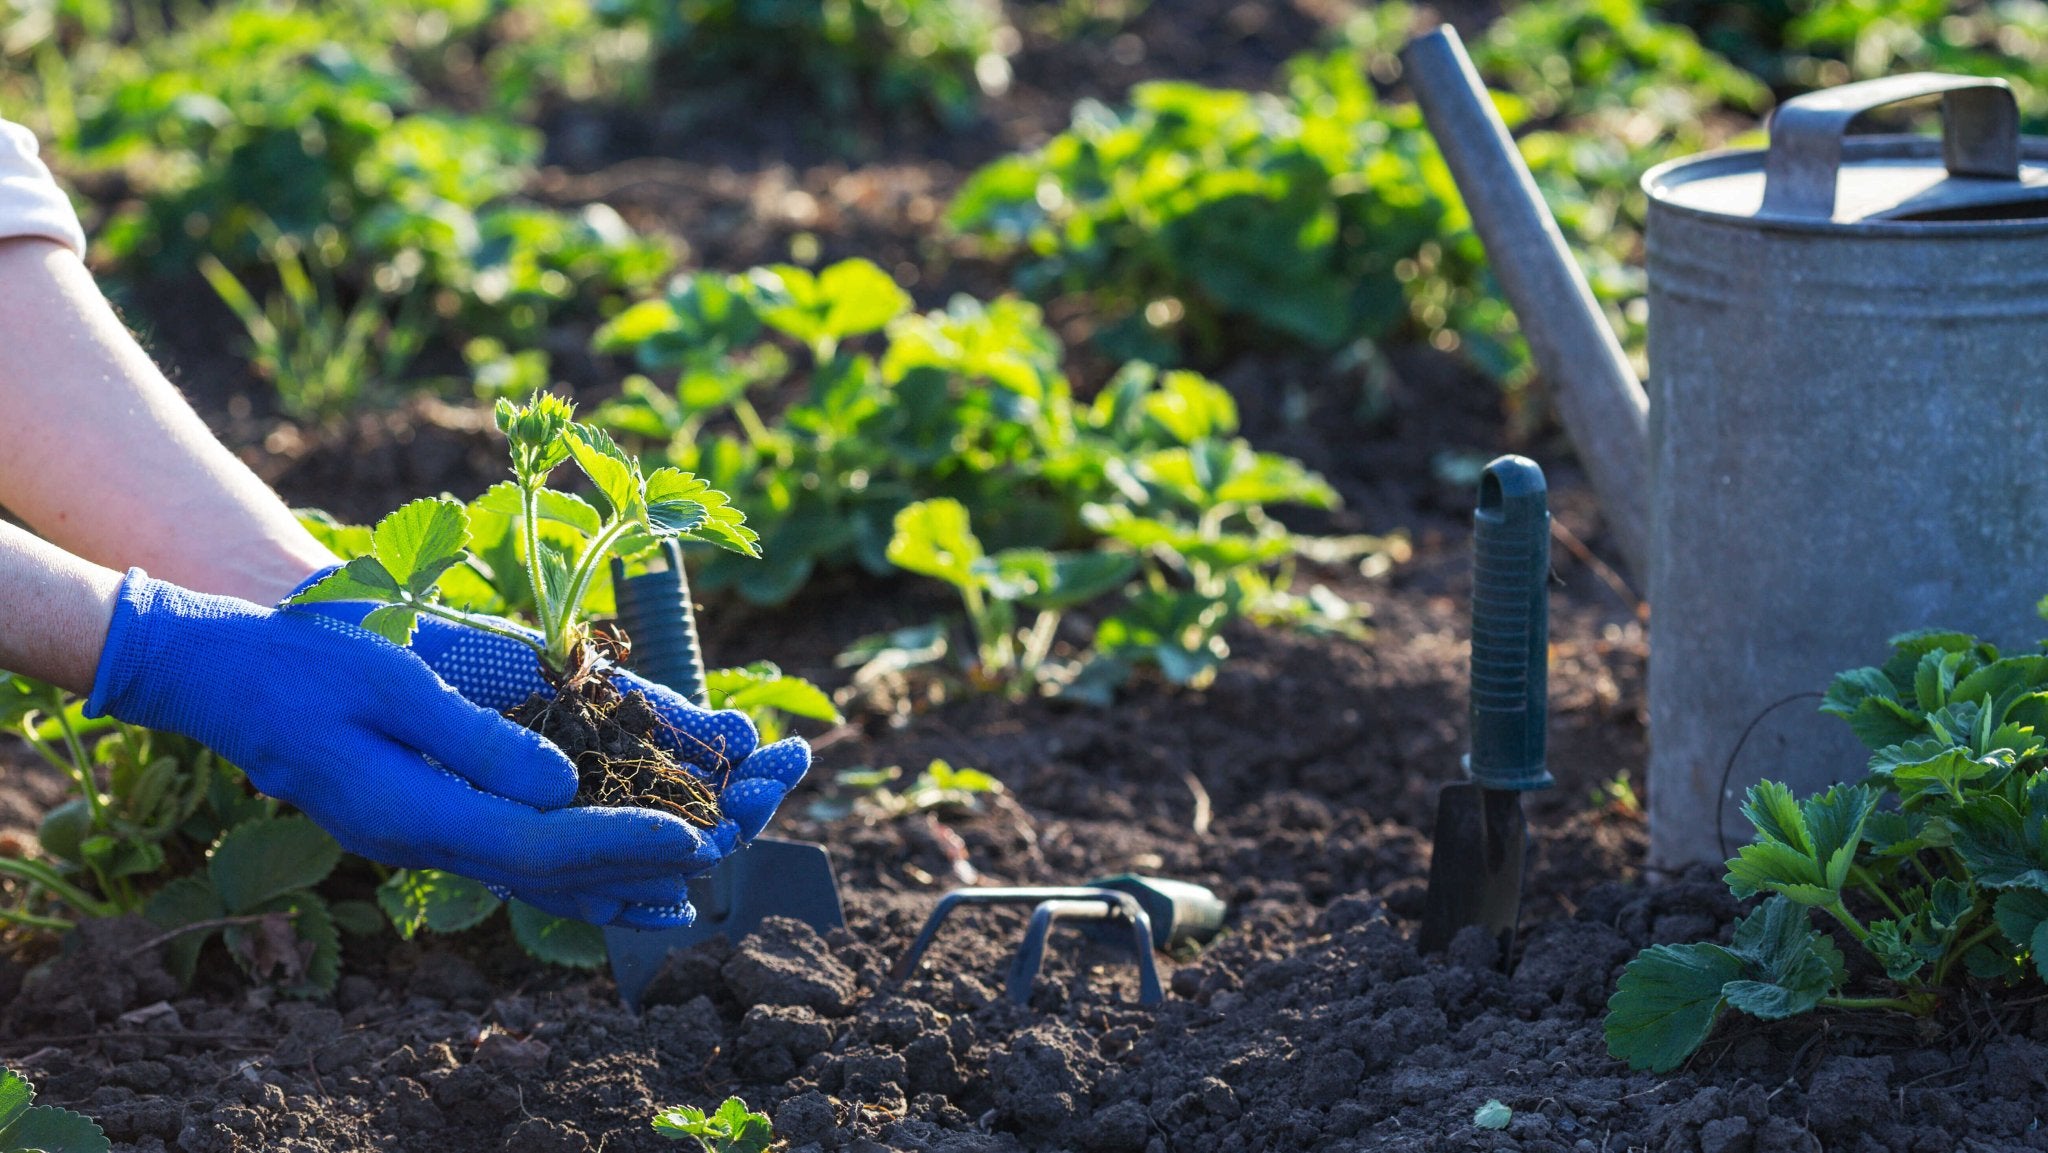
(1145,913)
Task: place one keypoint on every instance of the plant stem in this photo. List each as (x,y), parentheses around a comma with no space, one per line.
(1961,947)
(529,504)
(1920,1004)
(36,920)
(594,554)
(1871,886)
(480,624)
(82,773)
(1848,921)
(36,873)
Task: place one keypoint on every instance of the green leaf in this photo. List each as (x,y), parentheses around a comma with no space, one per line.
(262,860)
(859,298)
(1935,678)
(185,901)
(565,508)
(680,1122)
(609,468)
(1061,580)
(1992,837)
(556,940)
(395,623)
(46,1129)
(362,579)
(1788,966)
(2022,915)
(761,686)
(1493,1115)
(933,539)
(16,1095)
(1666,1003)
(420,541)
(418,899)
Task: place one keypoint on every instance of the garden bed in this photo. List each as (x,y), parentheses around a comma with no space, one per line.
(1311,1024)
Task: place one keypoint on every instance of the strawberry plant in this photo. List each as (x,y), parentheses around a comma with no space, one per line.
(1934,867)
(26,1127)
(937,56)
(933,538)
(734,1128)
(257,893)
(555,556)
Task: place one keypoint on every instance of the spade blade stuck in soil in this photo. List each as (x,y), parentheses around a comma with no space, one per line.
(770,877)
(1475,874)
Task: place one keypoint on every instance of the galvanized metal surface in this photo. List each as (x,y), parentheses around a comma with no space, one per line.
(1601,402)
(1979,136)
(1848,428)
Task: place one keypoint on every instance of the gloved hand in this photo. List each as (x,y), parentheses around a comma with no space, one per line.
(341,723)
(499,673)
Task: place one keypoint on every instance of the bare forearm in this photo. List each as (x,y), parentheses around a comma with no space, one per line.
(102,456)
(54,613)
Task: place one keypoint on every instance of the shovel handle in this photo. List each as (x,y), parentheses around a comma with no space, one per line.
(1510,626)
(655,612)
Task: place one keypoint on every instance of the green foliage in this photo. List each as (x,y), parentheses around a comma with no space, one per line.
(144,806)
(256,892)
(1196,210)
(933,538)
(939,787)
(320,356)
(768,695)
(1493,1115)
(939,56)
(429,899)
(734,1128)
(26,1127)
(1935,865)
(561,543)
(289,152)
(967,409)
(1200,222)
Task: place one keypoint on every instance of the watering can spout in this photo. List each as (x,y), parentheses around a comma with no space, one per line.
(1601,402)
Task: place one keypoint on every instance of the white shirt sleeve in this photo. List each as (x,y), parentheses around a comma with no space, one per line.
(31,204)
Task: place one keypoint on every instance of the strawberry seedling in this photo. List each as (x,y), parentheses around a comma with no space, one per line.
(558,550)
(734,1128)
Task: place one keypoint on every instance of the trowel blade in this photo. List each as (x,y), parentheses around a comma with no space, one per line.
(1475,874)
(770,877)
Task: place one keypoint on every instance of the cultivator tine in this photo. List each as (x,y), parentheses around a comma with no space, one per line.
(1031,954)
(1115,909)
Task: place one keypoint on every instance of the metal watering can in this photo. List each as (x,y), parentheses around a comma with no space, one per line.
(1846,431)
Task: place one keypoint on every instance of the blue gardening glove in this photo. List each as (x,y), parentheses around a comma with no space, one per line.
(342,724)
(499,673)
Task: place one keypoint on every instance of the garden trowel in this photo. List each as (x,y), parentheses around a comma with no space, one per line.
(1475,874)
(769,877)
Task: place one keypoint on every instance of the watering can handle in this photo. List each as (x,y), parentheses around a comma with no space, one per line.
(1980,135)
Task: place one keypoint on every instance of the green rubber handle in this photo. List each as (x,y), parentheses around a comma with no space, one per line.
(655,613)
(1510,627)
(1181,912)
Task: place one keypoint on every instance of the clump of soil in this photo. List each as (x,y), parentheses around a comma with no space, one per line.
(616,740)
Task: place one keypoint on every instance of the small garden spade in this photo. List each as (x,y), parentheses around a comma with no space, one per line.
(1475,875)
(768,877)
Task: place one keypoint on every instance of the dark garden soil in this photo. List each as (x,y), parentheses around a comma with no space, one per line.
(1300,786)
